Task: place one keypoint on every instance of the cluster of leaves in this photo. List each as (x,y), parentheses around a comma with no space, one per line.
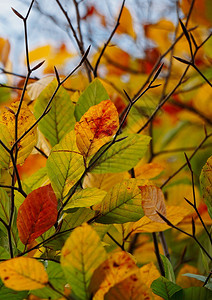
(85,188)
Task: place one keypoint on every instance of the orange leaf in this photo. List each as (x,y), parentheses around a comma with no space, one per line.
(148,171)
(96,127)
(152,201)
(126,24)
(37,214)
(116,268)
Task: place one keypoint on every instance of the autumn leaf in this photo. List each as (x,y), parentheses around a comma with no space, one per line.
(23,273)
(186,282)
(80,256)
(37,214)
(25,120)
(126,23)
(152,201)
(116,268)
(130,288)
(148,171)
(175,214)
(96,127)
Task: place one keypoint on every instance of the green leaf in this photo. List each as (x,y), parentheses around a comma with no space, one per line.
(201,278)
(193,293)
(122,156)
(169,272)
(80,256)
(56,278)
(164,288)
(65,165)
(85,198)
(4,254)
(206,184)
(121,204)
(92,95)
(60,119)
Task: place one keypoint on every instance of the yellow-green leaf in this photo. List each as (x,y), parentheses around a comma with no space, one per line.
(23,273)
(121,204)
(65,165)
(85,198)
(121,156)
(81,255)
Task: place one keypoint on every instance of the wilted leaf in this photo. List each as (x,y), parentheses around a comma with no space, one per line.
(23,273)
(25,120)
(37,214)
(57,122)
(152,200)
(121,204)
(116,268)
(121,156)
(92,95)
(81,255)
(96,127)
(65,165)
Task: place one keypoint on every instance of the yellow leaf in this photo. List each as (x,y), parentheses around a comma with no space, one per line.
(81,255)
(126,24)
(23,273)
(174,214)
(104,181)
(96,127)
(153,202)
(4,51)
(131,288)
(202,100)
(186,282)
(148,171)
(53,56)
(116,268)
(149,273)
(25,120)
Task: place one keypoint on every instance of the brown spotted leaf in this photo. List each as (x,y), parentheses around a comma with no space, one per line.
(37,214)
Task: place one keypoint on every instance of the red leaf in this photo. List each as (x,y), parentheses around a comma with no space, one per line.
(37,214)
